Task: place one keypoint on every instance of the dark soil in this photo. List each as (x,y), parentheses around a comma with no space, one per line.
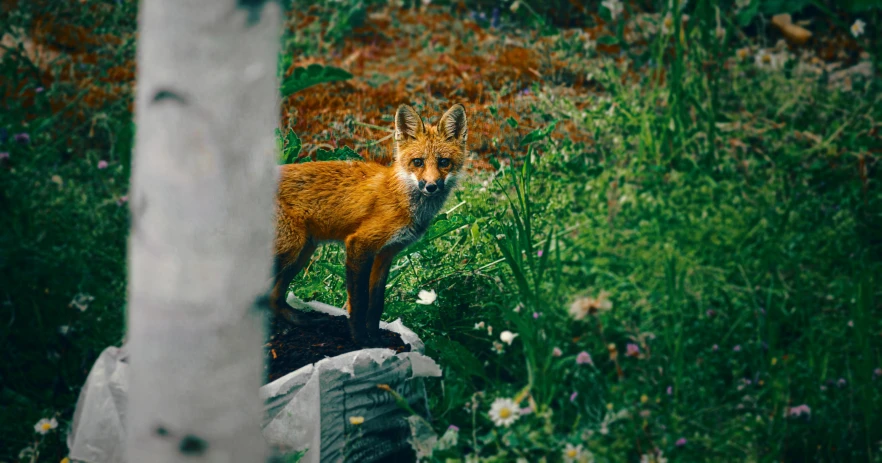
(292,347)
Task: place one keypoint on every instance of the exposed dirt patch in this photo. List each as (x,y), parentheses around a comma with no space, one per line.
(292,347)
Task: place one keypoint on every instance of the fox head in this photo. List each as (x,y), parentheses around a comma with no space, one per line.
(428,158)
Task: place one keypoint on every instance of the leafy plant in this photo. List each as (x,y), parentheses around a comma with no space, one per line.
(302,78)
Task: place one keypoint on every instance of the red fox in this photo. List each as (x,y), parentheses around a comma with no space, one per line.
(374,210)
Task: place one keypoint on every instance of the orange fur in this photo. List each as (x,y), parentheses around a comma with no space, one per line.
(374,210)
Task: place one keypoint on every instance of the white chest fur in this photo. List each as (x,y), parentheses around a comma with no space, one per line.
(423,209)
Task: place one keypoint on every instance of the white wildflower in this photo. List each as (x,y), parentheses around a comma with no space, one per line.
(81,301)
(479,326)
(857,29)
(498,347)
(45,425)
(507,337)
(426,297)
(615,7)
(589,45)
(449,439)
(590,306)
(653,457)
(767,60)
(575,454)
(504,412)
(667,24)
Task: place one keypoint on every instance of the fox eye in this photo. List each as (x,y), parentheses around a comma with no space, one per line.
(443,162)
(418,162)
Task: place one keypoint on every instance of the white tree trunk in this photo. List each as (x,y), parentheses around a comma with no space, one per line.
(200,249)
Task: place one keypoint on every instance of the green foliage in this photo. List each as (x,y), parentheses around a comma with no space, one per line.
(747,14)
(538,134)
(289,146)
(304,77)
(730,216)
(338,154)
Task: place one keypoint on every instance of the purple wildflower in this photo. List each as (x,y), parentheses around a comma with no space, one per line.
(573,396)
(4,155)
(39,89)
(681,442)
(799,410)
(22,138)
(535,314)
(633,350)
(556,352)
(670,390)
(453,427)
(584,358)
(539,253)
(737,348)
(102,164)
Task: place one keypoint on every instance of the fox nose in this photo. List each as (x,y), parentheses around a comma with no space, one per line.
(431,187)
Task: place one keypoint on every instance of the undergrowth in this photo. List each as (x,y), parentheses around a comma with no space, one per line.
(681,260)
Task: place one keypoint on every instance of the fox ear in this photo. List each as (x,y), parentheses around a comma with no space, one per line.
(407,123)
(453,124)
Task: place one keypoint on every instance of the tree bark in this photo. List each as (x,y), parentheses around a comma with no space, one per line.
(200,246)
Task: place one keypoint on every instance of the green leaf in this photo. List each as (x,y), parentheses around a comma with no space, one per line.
(773,7)
(746,15)
(292,147)
(440,226)
(605,14)
(538,134)
(344,153)
(607,40)
(314,74)
(856,6)
(458,357)
(513,123)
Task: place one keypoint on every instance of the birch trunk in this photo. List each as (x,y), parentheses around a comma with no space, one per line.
(200,247)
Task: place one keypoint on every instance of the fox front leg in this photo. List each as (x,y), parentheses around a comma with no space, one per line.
(379,274)
(359,262)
